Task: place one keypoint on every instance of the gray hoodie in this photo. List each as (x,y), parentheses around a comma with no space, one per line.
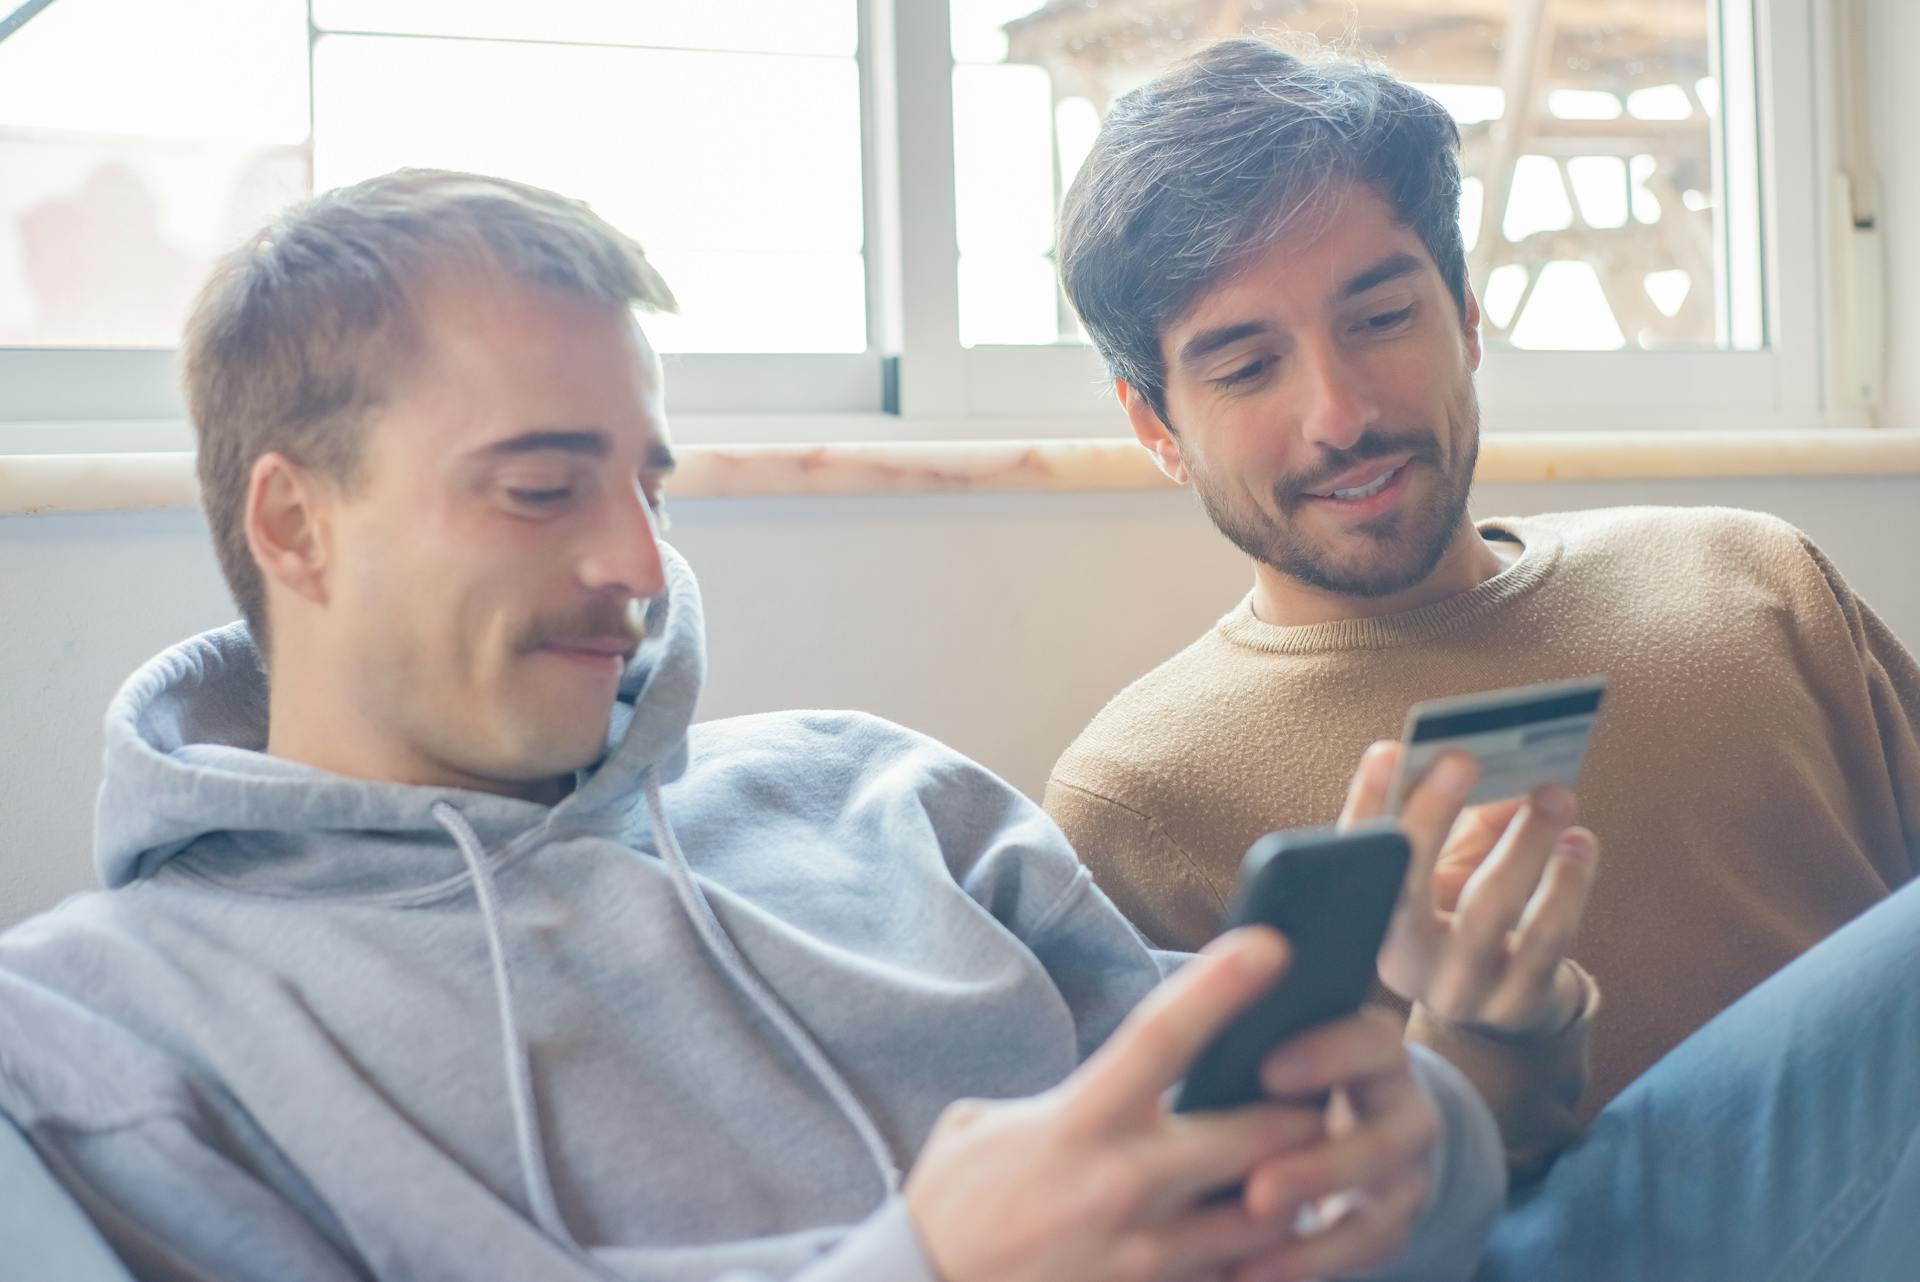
(689,1023)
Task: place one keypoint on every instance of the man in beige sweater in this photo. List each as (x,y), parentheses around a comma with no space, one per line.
(1267,253)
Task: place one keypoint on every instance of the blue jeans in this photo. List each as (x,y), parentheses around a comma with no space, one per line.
(1780,1143)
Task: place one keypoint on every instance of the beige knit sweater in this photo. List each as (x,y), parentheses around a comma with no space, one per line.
(1754,779)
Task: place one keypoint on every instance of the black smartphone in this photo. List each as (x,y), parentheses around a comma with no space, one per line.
(1332,894)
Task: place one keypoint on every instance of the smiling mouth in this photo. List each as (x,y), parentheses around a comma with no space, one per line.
(1367,490)
(591,654)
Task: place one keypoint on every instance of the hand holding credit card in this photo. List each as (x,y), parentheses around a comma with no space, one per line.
(1523,738)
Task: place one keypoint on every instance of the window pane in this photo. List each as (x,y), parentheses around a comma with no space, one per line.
(138,141)
(1004,156)
(742,301)
(828,28)
(660,142)
(1004,299)
(1625,173)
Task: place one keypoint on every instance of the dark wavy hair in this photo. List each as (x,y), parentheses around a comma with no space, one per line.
(1209,163)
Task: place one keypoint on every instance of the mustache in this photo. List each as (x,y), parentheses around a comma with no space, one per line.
(602,619)
(1422,447)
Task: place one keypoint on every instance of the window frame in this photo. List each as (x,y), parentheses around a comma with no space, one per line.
(915,381)
(1784,384)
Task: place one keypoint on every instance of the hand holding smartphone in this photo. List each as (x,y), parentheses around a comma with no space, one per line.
(1332,895)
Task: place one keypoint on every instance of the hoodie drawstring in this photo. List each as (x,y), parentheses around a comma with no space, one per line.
(727,954)
(534,1175)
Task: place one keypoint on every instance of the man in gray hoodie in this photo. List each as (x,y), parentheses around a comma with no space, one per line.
(452,950)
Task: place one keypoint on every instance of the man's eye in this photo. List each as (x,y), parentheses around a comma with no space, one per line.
(1387,320)
(1245,374)
(541,498)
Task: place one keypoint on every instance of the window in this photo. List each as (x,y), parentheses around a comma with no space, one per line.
(754,216)
(1604,210)
(139,141)
(854,199)
(1636,261)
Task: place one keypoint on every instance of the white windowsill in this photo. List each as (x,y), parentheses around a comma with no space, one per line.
(32,484)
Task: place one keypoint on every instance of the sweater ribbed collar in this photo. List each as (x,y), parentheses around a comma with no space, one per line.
(1539,551)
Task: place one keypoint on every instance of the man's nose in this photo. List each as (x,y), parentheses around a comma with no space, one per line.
(1338,410)
(624,551)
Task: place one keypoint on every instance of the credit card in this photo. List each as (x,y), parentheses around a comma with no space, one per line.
(1522,738)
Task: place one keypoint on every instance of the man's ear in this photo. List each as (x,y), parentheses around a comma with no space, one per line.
(286,522)
(1470,328)
(1152,431)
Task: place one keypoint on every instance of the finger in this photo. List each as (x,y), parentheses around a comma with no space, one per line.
(1153,1047)
(1208,1240)
(1546,931)
(1333,1054)
(1373,1232)
(1369,794)
(1395,1126)
(1496,895)
(1474,835)
(1370,1157)
(1393,1098)
(1479,829)
(1193,1155)
(1429,814)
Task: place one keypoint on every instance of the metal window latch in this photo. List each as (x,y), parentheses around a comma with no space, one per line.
(1860,303)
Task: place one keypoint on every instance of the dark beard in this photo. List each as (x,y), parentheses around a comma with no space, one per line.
(1411,541)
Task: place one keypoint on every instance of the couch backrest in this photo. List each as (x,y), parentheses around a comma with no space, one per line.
(44,1237)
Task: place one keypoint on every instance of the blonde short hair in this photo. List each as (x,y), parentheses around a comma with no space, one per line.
(312,324)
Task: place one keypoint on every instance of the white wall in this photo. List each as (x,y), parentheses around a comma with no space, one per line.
(998,623)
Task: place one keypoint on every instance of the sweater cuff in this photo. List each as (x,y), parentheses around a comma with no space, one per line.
(884,1245)
(1532,1085)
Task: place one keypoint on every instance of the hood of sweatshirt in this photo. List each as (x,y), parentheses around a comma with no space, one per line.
(186,762)
(185,758)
